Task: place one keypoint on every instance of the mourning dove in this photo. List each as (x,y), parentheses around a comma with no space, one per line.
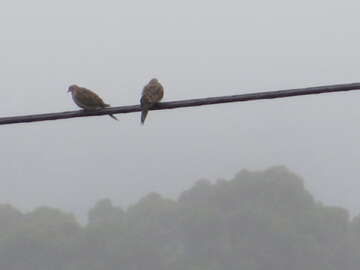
(152,93)
(87,99)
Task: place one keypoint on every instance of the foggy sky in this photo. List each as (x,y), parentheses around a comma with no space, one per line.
(196,49)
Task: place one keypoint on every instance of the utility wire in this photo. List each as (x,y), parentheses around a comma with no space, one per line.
(183,103)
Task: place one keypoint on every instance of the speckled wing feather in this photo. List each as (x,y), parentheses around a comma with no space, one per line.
(152,93)
(89,100)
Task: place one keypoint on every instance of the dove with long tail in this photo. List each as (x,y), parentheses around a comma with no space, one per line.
(152,93)
(87,99)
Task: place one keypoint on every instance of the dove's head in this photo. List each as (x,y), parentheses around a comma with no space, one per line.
(154,80)
(72,88)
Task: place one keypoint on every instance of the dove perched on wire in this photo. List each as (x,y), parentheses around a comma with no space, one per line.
(152,93)
(87,99)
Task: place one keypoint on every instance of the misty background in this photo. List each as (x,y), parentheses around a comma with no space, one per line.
(196,49)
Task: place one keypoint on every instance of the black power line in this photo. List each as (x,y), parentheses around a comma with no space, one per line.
(184,103)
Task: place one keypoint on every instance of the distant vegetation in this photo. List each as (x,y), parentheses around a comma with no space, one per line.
(257,221)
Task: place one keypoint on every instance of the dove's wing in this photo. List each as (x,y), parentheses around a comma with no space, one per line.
(152,94)
(89,99)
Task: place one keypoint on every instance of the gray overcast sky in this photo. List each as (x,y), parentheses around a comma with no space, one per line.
(196,49)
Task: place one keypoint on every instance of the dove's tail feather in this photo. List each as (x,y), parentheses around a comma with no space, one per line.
(113,117)
(144,113)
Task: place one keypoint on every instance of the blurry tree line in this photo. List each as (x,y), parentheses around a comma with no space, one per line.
(262,220)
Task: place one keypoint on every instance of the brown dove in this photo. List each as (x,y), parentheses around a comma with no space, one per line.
(152,93)
(87,99)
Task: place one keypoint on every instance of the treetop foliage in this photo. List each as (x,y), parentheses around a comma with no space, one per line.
(263,220)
